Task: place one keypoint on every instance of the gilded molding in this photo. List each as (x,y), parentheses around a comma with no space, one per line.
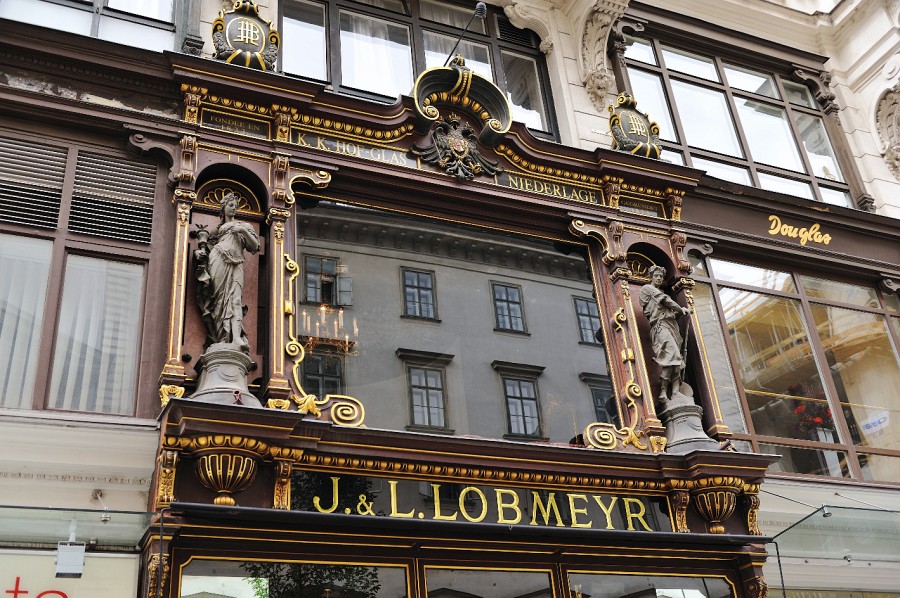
(318,124)
(680,501)
(188,145)
(193,96)
(674,200)
(226,464)
(612,188)
(157,576)
(462,473)
(280,192)
(183,213)
(284,115)
(316,179)
(757,588)
(679,242)
(750,502)
(166,465)
(169,391)
(282,494)
(550,172)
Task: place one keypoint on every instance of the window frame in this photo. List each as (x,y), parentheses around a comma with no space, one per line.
(66,243)
(855,453)
(521,303)
(426,360)
(434,296)
(340,297)
(661,28)
(520,372)
(592,340)
(323,352)
(493,38)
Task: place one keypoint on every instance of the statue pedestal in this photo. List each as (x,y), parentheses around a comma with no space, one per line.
(684,426)
(223,377)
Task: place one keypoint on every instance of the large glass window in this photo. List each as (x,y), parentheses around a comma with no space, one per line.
(741,123)
(380,46)
(147,24)
(816,362)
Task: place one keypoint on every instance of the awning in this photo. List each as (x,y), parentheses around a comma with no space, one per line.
(848,533)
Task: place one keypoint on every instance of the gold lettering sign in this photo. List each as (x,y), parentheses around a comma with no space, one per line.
(352,148)
(561,191)
(234,124)
(405,499)
(804,235)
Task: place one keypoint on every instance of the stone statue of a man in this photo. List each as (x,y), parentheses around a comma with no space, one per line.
(665,338)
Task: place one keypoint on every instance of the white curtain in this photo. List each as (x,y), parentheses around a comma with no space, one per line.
(375,55)
(24,271)
(95,356)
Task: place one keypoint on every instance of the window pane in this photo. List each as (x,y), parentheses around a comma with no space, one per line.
(892,301)
(769,134)
(639,49)
(367,45)
(716,355)
(648,92)
(160,10)
(753,276)
(784,389)
(818,147)
(304,40)
(819,288)
(691,64)
(24,271)
(758,83)
(398,6)
(879,467)
(441,583)
(64,18)
(671,157)
(865,370)
(523,90)
(726,172)
(95,359)
(798,94)
(438,47)
(123,31)
(454,16)
(706,120)
(597,585)
(779,184)
(835,197)
(804,460)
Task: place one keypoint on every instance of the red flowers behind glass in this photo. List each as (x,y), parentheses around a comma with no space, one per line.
(811,413)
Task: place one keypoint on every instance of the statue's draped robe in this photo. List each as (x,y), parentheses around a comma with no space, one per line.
(662,312)
(223,303)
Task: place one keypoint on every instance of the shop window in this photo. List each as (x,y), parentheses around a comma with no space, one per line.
(508,307)
(378,48)
(606,585)
(446,582)
(419,299)
(325,283)
(744,123)
(816,362)
(589,326)
(148,24)
(71,289)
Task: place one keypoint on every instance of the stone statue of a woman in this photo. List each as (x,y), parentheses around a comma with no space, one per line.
(219,262)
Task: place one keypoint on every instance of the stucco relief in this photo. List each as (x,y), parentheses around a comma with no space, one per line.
(596,73)
(887,122)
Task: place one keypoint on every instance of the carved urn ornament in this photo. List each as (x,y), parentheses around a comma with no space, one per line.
(632,130)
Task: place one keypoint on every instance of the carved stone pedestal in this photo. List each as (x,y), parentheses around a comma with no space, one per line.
(223,377)
(684,426)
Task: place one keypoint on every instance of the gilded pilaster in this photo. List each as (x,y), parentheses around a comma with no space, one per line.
(277,386)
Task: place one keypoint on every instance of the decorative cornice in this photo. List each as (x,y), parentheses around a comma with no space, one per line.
(887,122)
(596,74)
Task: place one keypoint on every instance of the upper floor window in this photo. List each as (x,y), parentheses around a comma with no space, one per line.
(141,23)
(68,301)
(326,283)
(508,307)
(588,321)
(323,372)
(418,294)
(380,46)
(743,123)
(816,364)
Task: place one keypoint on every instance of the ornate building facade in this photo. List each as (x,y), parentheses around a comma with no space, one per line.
(417,298)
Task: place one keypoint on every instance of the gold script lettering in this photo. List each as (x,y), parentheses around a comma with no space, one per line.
(805,235)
